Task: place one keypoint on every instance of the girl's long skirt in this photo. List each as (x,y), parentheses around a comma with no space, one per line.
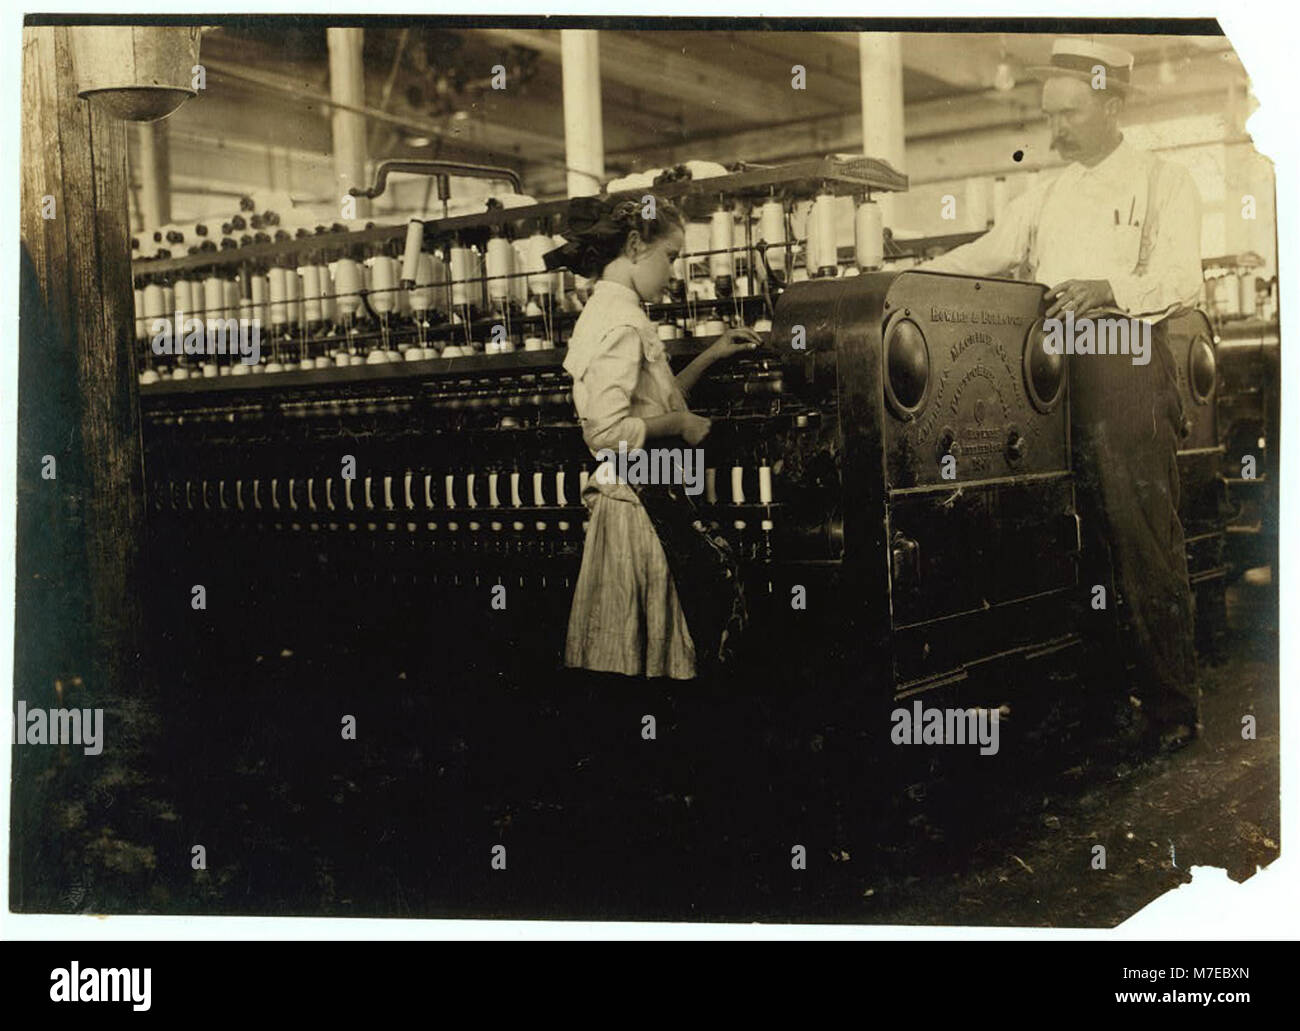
(625,616)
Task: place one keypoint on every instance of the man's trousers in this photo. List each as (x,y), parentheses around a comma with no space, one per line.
(1125,422)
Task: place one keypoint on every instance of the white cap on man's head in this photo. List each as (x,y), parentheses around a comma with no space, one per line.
(1077,58)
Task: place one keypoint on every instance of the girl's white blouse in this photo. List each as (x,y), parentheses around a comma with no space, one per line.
(621,374)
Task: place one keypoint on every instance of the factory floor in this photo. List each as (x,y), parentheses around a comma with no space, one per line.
(597,822)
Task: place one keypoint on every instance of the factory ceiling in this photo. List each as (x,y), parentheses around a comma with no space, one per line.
(667,95)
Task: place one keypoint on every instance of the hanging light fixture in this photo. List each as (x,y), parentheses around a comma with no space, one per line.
(139,73)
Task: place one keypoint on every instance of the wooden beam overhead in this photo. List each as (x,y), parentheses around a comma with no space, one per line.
(638,61)
(1198,77)
(966,67)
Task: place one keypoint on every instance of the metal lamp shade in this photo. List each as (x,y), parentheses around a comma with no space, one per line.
(138,73)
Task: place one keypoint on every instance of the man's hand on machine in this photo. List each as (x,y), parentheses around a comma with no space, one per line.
(1081,296)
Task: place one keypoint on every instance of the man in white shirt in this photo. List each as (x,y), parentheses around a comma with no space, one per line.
(1118,231)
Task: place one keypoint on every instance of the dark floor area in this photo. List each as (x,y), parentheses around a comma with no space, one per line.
(247,759)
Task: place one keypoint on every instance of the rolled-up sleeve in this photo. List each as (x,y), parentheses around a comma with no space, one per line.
(999,251)
(604,397)
(1172,278)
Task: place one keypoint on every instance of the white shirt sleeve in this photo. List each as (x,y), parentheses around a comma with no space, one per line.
(1172,279)
(605,401)
(998,252)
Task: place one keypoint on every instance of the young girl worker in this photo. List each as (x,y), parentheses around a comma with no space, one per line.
(648,560)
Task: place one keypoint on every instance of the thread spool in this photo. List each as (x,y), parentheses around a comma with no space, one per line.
(402,294)
(422,294)
(411,255)
(347,287)
(183,303)
(442,283)
(154,303)
(214,297)
(462,269)
(765,484)
(169,299)
(711,486)
(771,229)
(737,485)
(293,296)
(247,316)
(539,280)
(195,288)
(277,291)
(500,264)
(519,284)
(869,236)
(325,287)
(311,291)
(823,252)
(258,291)
(230,302)
(383,282)
(721,239)
(480,290)
(141,327)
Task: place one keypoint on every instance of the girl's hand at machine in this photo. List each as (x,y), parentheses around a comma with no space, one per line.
(734,341)
(694,428)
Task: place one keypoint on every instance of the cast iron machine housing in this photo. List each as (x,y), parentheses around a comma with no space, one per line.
(954,527)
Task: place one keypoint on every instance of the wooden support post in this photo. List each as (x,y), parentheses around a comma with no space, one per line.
(81,336)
